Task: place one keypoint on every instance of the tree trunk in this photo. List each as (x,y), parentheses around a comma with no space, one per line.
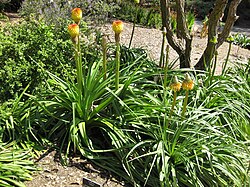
(213,23)
(182,43)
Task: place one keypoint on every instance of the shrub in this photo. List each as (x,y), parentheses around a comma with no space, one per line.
(28,47)
(147,16)
(200,8)
(25,49)
(57,11)
(3,4)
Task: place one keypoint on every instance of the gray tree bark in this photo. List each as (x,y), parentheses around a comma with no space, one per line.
(181,42)
(213,23)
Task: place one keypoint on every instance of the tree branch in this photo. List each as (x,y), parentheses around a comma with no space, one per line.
(231,18)
(172,40)
(182,30)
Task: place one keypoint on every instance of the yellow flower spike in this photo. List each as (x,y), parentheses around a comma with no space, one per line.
(74,32)
(188,83)
(175,85)
(76,15)
(117,26)
(137,1)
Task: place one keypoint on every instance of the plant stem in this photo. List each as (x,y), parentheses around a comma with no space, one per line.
(162,47)
(166,68)
(133,30)
(185,104)
(173,105)
(171,112)
(228,53)
(132,35)
(215,63)
(166,121)
(78,58)
(104,53)
(74,120)
(117,67)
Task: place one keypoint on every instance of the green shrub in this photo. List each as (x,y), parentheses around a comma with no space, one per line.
(200,8)
(57,11)
(147,16)
(28,47)
(24,50)
(3,3)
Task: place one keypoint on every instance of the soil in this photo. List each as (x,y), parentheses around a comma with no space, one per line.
(53,174)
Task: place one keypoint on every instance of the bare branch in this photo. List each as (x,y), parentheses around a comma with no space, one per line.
(182,30)
(214,18)
(172,40)
(231,18)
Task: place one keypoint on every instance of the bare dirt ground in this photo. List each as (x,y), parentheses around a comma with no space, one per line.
(53,174)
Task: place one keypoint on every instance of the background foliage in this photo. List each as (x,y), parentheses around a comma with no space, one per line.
(57,11)
(28,47)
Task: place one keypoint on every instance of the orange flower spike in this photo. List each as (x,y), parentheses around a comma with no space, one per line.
(73,30)
(188,83)
(76,15)
(175,85)
(117,26)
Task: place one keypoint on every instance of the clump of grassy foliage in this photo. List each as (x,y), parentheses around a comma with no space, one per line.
(241,40)
(129,131)
(15,165)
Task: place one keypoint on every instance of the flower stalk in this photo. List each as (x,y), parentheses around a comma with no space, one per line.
(80,73)
(117,67)
(132,34)
(117,27)
(230,40)
(175,86)
(166,68)
(188,84)
(164,33)
(185,104)
(74,31)
(133,29)
(104,57)
(214,66)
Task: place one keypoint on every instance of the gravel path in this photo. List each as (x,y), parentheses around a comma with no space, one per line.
(151,39)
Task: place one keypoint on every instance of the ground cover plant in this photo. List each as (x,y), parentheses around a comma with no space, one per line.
(148,123)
